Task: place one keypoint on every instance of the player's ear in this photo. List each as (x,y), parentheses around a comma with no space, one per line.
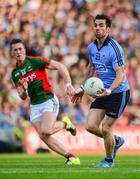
(108,29)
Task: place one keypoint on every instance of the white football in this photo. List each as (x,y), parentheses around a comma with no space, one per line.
(93,85)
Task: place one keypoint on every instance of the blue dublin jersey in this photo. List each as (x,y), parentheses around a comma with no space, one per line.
(105,59)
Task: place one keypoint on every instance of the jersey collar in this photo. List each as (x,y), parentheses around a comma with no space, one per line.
(21,64)
(106,41)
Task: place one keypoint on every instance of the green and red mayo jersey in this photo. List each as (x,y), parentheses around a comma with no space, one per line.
(33,70)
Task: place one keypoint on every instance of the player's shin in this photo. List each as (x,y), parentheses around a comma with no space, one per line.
(109,143)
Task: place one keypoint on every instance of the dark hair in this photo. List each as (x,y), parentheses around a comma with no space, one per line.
(15,41)
(104,17)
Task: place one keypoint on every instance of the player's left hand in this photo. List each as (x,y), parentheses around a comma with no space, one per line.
(102,93)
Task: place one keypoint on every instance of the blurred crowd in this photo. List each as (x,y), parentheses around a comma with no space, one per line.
(61,30)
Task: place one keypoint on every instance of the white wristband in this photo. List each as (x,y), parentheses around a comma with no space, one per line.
(80,89)
(68,84)
(108,91)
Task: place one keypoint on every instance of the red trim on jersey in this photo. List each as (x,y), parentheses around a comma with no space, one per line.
(38,75)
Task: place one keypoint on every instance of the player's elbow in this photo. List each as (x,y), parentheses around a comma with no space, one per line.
(56,65)
(46,132)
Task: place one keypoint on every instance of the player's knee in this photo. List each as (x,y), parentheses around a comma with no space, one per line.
(91,128)
(105,130)
(46,132)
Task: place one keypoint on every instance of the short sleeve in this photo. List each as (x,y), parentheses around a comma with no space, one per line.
(117,56)
(46,60)
(40,62)
(89,54)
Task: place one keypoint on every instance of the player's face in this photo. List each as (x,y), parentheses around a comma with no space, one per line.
(18,51)
(100,28)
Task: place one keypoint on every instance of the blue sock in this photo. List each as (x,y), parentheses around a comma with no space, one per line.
(109,159)
(116,139)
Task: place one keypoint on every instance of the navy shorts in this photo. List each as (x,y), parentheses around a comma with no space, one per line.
(114,104)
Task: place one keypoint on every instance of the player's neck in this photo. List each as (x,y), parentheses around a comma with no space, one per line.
(20,63)
(101,41)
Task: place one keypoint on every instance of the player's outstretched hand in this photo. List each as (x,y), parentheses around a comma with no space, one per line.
(70,91)
(77,97)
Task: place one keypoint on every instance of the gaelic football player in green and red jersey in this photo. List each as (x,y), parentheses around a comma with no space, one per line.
(31,80)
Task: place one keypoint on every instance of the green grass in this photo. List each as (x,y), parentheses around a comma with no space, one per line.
(46,166)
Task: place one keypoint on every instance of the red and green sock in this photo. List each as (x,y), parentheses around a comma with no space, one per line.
(69,155)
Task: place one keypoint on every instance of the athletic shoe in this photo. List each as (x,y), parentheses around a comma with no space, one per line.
(69,126)
(104,163)
(73,161)
(119,143)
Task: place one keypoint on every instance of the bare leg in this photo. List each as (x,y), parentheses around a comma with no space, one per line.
(55,145)
(49,125)
(46,127)
(109,140)
(94,118)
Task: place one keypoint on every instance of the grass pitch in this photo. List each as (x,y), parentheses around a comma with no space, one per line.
(47,166)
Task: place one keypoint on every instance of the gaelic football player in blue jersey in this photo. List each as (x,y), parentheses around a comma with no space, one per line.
(106,58)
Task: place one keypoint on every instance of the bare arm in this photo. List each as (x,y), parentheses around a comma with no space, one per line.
(22,89)
(22,93)
(90,70)
(63,71)
(120,73)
